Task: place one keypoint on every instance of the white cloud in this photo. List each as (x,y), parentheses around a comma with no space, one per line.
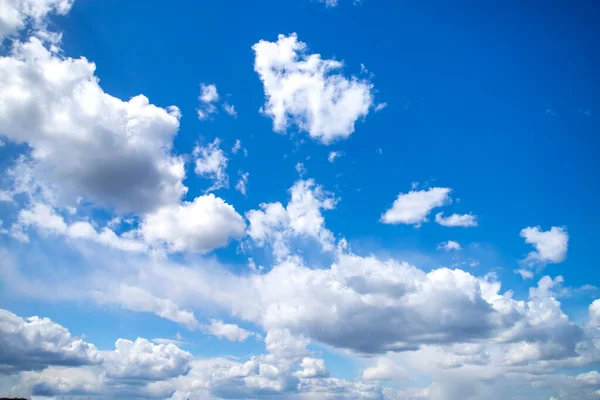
(275,225)
(589,378)
(300,169)
(594,313)
(16,14)
(242,184)
(449,245)
(525,274)
(230,109)
(385,370)
(205,224)
(550,246)
(36,343)
(333,156)
(55,381)
(464,220)
(307,91)
(413,207)
(208,97)
(137,299)
(87,143)
(144,360)
(312,368)
(380,106)
(45,219)
(237,146)
(231,332)
(211,163)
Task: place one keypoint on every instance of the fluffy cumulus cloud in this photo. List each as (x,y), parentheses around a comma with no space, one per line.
(16,14)
(464,220)
(412,208)
(115,153)
(35,343)
(309,92)
(550,246)
(205,224)
(90,158)
(144,360)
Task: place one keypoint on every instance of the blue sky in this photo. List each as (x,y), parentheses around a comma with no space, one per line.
(311,199)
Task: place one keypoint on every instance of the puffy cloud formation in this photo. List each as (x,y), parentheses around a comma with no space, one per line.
(275,225)
(464,220)
(205,224)
(36,343)
(309,92)
(412,208)
(116,154)
(15,14)
(312,368)
(550,246)
(211,163)
(144,360)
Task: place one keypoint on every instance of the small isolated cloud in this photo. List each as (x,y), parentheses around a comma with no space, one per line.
(525,273)
(309,92)
(412,208)
(208,97)
(334,155)
(550,246)
(237,146)
(211,163)
(230,109)
(464,220)
(449,245)
(300,169)
(242,184)
(380,151)
(231,332)
(380,106)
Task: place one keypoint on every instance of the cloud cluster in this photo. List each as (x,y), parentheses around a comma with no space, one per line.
(16,14)
(114,153)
